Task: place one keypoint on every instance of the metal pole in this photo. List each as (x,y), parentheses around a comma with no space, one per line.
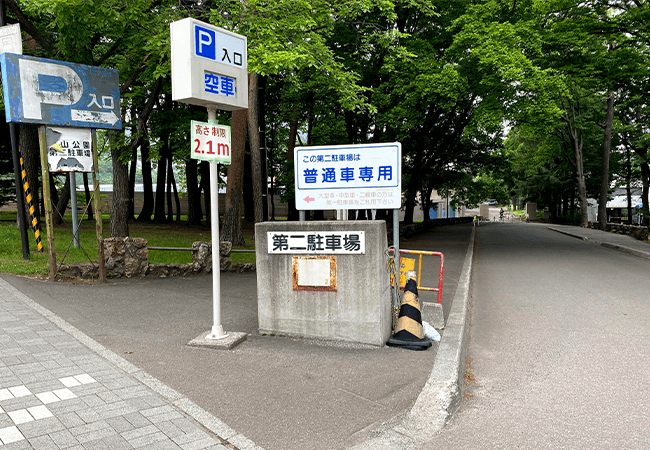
(75,215)
(20,195)
(396,246)
(217,328)
(301,216)
(261,89)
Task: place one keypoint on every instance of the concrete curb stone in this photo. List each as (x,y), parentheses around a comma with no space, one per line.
(610,245)
(443,392)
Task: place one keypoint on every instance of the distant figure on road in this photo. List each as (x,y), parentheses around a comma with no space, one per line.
(501,214)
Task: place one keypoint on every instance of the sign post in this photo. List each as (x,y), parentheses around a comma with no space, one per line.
(211,142)
(217,328)
(209,68)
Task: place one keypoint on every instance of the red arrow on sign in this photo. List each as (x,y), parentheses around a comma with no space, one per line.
(309,199)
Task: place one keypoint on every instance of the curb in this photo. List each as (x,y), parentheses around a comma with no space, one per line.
(628,250)
(443,392)
(577,236)
(222,431)
(620,248)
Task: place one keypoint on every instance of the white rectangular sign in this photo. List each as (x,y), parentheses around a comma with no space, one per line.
(365,176)
(317,242)
(210,142)
(69,149)
(10,39)
(209,65)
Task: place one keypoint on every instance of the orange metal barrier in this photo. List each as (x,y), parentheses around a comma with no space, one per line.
(441,272)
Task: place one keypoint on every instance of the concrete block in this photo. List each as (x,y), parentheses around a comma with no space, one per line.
(359,310)
(531,211)
(484,211)
(233,339)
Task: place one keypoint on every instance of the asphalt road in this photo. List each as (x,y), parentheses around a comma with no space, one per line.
(559,345)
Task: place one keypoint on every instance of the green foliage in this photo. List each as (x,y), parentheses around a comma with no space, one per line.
(443,77)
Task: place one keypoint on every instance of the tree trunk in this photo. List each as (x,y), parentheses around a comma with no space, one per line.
(628,184)
(247,206)
(205,187)
(194,213)
(89,203)
(159,211)
(147,183)
(580,178)
(170,177)
(412,188)
(231,229)
(54,192)
(272,201)
(604,174)
(120,204)
(254,144)
(177,199)
(292,213)
(645,192)
(62,202)
(132,170)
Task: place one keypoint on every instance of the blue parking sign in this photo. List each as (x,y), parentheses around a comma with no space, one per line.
(206,42)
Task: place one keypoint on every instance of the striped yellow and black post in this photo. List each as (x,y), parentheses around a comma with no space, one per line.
(408,331)
(30,205)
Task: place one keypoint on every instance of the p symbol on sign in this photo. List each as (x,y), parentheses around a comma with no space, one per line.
(47,83)
(205,43)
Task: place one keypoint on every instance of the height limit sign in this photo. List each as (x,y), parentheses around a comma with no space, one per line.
(211,142)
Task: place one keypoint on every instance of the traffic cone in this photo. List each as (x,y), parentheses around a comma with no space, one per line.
(408,331)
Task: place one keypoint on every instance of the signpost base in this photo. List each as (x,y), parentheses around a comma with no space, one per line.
(217,333)
(230,341)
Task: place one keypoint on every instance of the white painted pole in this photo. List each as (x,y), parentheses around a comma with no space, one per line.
(217,328)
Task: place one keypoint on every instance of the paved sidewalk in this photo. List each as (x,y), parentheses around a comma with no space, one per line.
(57,393)
(614,241)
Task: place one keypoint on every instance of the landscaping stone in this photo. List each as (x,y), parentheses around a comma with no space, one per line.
(129,257)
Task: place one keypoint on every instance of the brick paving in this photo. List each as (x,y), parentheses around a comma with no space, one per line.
(56,392)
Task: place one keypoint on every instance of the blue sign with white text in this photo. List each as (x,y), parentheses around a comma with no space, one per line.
(362,176)
(205,40)
(220,47)
(44,91)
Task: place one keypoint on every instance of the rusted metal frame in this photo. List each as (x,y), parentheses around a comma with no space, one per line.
(333,287)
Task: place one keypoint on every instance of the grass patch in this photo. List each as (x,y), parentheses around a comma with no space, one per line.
(157,235)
